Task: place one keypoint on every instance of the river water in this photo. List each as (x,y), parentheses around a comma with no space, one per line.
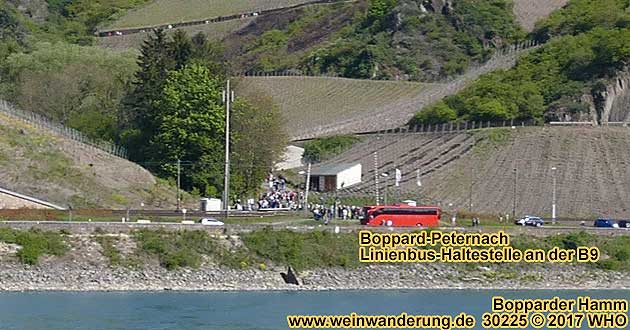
(240,310)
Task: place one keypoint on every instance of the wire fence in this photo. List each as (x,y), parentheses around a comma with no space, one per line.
(455,127)
(43,122)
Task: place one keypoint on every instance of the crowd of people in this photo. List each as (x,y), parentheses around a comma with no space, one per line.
(342,212)
(278,195)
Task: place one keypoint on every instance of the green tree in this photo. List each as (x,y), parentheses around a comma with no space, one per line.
(258,140)
(140,118)
(489,110)
(190,121)
(180,48)
(78,86)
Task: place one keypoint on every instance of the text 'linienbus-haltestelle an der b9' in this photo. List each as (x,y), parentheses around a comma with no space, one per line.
(454,247)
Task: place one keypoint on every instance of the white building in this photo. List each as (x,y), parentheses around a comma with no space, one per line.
(211,204)
(336,176)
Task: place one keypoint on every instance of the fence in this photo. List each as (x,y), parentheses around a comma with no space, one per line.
(455,127)
(42,122)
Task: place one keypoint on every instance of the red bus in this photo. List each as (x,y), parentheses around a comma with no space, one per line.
(401,216)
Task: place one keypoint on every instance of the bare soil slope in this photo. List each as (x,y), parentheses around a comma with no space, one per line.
(591,169)
(528,12)
(65,172)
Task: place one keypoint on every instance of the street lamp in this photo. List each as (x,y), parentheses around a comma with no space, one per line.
(386,176)
(553,198)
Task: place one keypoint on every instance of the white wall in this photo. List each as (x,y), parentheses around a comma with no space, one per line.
(349,177)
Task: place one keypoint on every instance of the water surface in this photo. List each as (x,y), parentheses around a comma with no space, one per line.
(239,310)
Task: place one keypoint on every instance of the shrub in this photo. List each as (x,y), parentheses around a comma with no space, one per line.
(437,114)
(34,243)
(301,251)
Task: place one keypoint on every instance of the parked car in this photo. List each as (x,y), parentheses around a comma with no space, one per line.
(530,220)
(211,222)
(624,223)
(535,222)
(605,223)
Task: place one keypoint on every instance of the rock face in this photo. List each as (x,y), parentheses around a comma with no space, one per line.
(616,99)
(605,104)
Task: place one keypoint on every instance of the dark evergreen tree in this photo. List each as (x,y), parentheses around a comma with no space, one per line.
(209,54)
(140,110)
(180,49)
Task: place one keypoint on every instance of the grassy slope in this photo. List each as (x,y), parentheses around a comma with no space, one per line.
(310,102)
(592,175)
(167,11)
(62,171)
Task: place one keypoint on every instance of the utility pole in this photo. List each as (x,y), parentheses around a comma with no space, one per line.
(179,171)
(419,185)
(472,183)
(228,98)
(553,201)
(472,179)
(378,198)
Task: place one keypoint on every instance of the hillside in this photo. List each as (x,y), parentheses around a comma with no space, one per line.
(310,103)
(214,32)
(391,40)
(166,11)
(321,106)
(592,176)
(65,172)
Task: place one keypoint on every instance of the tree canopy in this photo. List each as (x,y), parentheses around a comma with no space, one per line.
(556,75)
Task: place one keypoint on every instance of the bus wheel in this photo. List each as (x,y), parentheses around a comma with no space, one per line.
(418,225)
(389,223)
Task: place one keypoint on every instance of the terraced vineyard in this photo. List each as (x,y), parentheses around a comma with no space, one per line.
(168,11)
(592,169)
(308,103)
(528,12)
(320,106)
(214,31)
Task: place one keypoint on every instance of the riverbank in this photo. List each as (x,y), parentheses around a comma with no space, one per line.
(77,277)
(91,273)
(122,262)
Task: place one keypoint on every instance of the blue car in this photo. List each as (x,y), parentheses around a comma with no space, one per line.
(624,224)
(605,223)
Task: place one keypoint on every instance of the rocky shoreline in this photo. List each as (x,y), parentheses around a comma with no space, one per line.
(82,277)
(85,268)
